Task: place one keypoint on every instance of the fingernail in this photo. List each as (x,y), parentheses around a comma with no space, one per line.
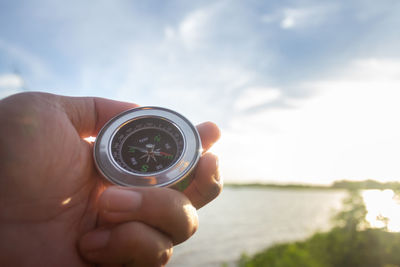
(122,200)
(95,240)
(216,175)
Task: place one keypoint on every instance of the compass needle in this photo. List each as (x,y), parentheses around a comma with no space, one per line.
(133,148)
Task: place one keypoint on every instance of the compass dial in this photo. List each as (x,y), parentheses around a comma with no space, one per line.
(147,145)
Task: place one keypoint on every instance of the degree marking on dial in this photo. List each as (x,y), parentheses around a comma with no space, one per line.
(133,161)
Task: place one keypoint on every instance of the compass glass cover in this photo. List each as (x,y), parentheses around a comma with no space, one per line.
(147,145)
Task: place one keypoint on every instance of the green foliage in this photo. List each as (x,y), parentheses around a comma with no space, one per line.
(281,256)
(352,216)
(349,244)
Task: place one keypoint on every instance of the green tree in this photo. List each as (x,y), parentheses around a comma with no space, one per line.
(350,243)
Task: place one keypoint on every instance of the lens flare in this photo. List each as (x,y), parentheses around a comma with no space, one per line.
(383,209)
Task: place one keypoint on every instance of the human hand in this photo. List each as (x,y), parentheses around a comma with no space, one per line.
(53,207)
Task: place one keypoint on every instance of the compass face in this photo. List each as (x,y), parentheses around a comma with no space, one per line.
(147,145)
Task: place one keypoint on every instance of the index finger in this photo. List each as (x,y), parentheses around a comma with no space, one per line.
(89,114)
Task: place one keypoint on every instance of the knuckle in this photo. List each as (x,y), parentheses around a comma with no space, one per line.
(166,255)
(144,245)
(217,186)
(189,223)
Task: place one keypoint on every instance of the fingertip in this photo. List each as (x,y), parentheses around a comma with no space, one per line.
(207,184)
(209,134)
(119,204)
(120,199)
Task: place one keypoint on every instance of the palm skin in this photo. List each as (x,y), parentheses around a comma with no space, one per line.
(49,187)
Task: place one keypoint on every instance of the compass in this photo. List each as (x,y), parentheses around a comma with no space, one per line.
(148,146)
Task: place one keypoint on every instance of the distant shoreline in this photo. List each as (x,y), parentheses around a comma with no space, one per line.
(278,186)
(342,184)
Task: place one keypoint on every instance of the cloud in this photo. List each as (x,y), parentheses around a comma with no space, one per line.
(376,69)
(201,89)
(205,55)
(191,31)
(265,81)
(210,52)
(255,98)
(21,57)
(192,28)
(297,17)
(300,17)
(346,131)
(186,70)
(366,10)
(10,81)
(197,28)
(10,84)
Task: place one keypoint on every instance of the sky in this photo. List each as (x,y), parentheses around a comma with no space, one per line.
(303,91)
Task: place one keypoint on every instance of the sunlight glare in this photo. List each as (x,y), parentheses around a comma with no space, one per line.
(66,201)
(90,139)
(383,209)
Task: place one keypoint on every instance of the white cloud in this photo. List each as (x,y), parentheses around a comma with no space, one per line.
(186,84)
(193,29)
(33,63)
(374,69)
(369,9)
(10,81)
(255,96)
(289,21)
(270,18)
(348,130)
(169,33)
(294,17)
(206,62)
(10,84)
(297,17)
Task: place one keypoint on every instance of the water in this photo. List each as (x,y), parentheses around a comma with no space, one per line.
(250,219)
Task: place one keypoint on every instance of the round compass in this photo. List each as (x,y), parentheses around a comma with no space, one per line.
(148,146)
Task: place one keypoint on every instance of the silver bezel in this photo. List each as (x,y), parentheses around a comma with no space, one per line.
(180,170)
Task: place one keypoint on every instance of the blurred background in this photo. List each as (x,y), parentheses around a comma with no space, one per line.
(305,92)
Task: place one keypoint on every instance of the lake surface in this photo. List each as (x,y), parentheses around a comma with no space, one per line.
(250,219)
